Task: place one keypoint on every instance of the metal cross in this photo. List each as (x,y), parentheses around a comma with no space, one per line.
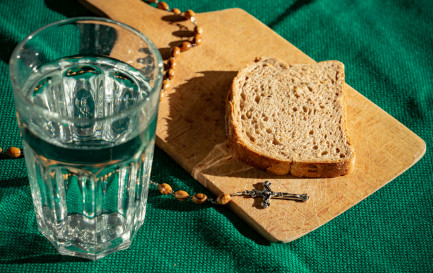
(267,194)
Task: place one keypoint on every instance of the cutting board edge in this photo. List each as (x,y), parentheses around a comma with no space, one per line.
(170,150)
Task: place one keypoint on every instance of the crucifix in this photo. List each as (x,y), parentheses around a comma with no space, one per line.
(267,194)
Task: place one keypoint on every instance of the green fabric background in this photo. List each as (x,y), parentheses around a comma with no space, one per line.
(387,47)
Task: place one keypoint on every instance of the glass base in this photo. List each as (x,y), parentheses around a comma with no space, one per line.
(91,256)
(78,241)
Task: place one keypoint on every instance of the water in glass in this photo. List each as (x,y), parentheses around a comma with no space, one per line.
(102,163)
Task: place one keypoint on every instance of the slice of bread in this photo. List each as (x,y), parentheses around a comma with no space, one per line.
(290,118)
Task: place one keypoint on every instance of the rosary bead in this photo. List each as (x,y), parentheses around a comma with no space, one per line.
(198,30)
(165,84)
(176,11)
(164,188)
(197,39)
(175,51)
(13,152)
(170,73)
(223,199)
(185,46)
(189,14)
(181,195)
(172,62)
(199,198)
(163,6)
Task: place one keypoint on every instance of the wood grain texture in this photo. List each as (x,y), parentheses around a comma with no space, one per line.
(191,125)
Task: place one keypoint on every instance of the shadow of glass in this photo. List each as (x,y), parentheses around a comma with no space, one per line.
(27,247)
(44,259)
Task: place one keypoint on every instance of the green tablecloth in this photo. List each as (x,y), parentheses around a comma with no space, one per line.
(387,47)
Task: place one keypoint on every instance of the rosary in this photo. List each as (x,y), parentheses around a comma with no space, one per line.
(224,198)
(199,198)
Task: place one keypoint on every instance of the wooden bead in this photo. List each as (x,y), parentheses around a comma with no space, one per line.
(161,96)
(171,62)
(181,195)
(152,1)
(185,46)
(198,30)
(176,11)
(165,84)
(1,150)
(197,39)
(170,73)
(199,198)
(223,199)
(189,14)
(164,188)
(13,152)
(175,51)
(163,6)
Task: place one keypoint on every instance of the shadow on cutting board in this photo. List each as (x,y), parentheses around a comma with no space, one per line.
(194,117)
(196,135)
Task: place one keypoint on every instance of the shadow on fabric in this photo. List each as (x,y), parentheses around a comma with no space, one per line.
(23,247)
(298,4)
(8,46)
(14,182)
(69,8)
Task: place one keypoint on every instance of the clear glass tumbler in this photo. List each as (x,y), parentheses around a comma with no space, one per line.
(86,94)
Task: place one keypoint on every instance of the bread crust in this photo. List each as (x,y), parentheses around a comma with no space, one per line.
(325,169)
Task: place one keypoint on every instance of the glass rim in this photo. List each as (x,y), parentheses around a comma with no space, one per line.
(57,116)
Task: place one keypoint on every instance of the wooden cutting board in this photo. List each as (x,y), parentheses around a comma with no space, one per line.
(191,121)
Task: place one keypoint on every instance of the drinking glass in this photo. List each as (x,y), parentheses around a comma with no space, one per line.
(86,94)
